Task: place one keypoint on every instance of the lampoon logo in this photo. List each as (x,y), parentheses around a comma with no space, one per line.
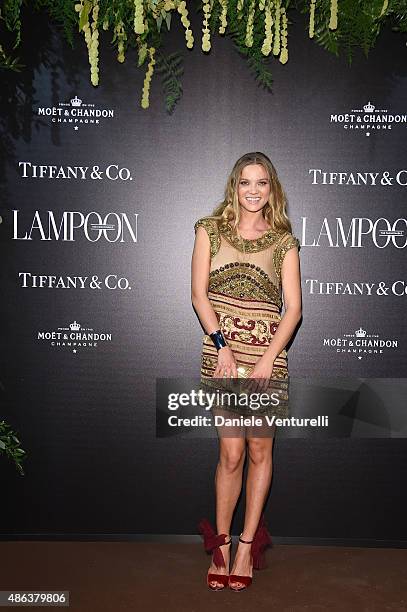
(76,113)
(360,344)
(357,232)
(68,225)
(74,337)
(368,119)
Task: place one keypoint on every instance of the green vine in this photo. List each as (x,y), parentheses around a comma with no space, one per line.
(259,30)
(10,445)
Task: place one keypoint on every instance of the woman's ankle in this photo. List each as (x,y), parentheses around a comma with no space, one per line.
(227,537)
(246,537)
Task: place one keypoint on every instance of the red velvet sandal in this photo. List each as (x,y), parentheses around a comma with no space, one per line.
(261,540)
(212,542)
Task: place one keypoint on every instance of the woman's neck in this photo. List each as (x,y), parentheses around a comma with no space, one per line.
(252,222)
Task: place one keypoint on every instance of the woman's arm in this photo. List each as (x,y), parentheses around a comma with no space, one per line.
(291,285)
(199,281)
(200,268)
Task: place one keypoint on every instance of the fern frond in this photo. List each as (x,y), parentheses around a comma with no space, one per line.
(171,69)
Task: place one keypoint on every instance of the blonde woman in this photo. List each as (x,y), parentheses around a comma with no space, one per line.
(245,260)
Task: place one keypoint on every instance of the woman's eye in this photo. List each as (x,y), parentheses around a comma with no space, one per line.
(261,182)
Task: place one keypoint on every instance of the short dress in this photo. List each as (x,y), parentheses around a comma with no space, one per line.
(246,294)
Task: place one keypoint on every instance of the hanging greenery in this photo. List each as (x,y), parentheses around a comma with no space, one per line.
(10,446)
(258,28)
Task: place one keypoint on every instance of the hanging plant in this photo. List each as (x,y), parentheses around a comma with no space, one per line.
(259,30)
(10,446)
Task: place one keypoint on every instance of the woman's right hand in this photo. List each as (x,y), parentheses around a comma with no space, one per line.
(226,366)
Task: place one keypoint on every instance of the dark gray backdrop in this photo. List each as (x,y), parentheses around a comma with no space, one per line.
(87,419)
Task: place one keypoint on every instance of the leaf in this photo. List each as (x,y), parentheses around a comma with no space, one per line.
(85,14)
(168,20)
(170,70)
(142,54)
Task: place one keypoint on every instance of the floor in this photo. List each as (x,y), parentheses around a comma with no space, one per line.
(121,576)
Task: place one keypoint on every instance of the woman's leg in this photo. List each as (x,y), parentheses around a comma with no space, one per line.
(228,484)
(257,487)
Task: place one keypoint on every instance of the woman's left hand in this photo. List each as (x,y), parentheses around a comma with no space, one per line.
(262,371)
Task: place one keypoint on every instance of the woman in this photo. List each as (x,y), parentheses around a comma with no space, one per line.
(245,258)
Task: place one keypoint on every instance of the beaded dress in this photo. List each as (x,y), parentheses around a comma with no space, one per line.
(246,294)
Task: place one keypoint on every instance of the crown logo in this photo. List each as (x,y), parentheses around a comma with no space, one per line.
(76,101)
(369,108)
(360,333)
(75,326)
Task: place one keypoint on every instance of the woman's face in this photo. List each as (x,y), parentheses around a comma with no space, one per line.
(253,189)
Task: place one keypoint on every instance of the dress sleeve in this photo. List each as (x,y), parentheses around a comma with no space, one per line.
(212,230)
(287,242)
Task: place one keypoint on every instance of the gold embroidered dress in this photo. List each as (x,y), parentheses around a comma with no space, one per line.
(246,294)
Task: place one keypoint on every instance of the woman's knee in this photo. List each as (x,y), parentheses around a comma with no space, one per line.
(231,456)
(259,450)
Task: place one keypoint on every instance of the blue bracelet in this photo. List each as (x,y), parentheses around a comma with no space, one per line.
(218,339)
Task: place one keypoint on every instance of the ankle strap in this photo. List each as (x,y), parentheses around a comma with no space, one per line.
(245,541)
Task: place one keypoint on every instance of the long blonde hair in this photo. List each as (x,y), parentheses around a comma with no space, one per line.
(274,211)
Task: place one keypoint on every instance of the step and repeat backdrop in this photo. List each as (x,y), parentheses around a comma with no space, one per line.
(99,201)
